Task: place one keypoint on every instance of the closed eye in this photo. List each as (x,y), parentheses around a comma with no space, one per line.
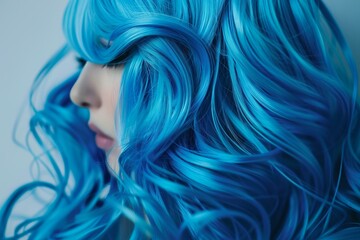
(113,64)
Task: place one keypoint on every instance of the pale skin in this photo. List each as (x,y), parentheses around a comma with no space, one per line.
(97,89)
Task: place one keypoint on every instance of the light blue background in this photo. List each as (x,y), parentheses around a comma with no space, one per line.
(31,32)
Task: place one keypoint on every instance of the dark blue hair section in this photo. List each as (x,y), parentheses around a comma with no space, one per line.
(238,119)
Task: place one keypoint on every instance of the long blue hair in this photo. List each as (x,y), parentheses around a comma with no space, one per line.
(237,119)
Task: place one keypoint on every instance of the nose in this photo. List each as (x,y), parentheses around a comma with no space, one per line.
(84,91)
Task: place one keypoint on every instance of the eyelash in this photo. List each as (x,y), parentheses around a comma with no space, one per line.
(82,63)
(110,65)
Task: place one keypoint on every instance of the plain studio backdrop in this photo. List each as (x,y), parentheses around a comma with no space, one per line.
(31,32)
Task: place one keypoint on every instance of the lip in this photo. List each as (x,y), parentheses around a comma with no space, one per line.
(102,140)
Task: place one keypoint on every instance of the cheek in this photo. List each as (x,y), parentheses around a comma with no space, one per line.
(111,96)
(113,93)
(112,101)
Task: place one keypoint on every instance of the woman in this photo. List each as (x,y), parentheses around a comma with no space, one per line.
(229,120)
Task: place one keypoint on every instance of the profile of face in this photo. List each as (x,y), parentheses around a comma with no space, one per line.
(97,89)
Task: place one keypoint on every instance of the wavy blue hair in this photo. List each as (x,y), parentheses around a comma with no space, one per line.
(238,119)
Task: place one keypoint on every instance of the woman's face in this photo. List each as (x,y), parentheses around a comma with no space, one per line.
(97,89)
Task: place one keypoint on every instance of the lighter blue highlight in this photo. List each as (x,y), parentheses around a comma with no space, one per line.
(238,119)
